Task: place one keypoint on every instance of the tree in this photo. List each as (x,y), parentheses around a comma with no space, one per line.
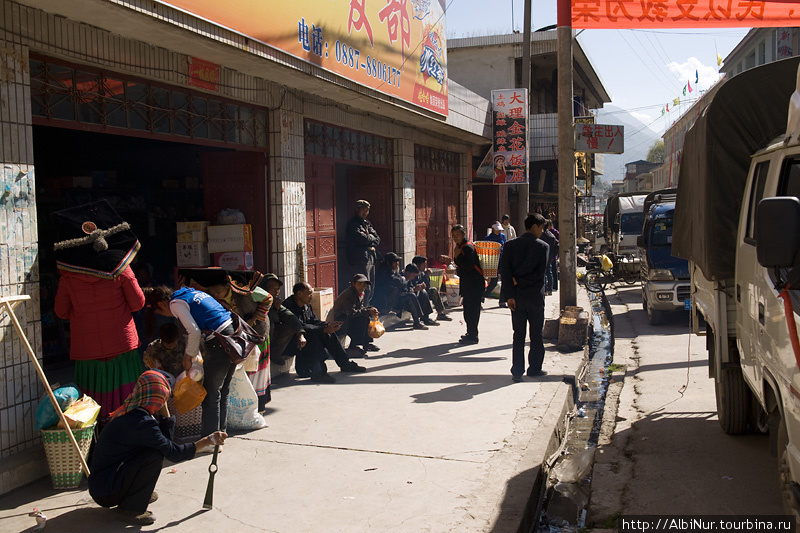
(656,152)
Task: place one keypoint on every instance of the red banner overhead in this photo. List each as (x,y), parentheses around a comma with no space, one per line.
(597,14)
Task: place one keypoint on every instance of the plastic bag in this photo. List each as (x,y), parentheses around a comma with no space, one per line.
(82,413)
(243,403)
(375,329)
(230,216)
(607,263)
(188,394)
(46,416)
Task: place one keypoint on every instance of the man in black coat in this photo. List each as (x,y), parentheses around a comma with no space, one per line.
(362,240)
(522,269)
(310,360)
(349,309)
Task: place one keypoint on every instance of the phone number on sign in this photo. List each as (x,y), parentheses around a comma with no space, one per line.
(351,57)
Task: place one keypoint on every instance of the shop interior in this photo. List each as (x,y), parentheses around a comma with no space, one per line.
(151,183)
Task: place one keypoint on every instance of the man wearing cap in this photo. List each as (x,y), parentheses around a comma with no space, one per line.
(392,291)
(362,241)
(284,325)
(349,309)
(496,235)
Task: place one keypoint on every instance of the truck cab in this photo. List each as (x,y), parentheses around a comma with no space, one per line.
(665,278)
(623,220)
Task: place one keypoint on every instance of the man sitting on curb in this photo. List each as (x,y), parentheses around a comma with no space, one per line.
(418,289)
(349,309)
(284,325)
(320,336)
(421,262)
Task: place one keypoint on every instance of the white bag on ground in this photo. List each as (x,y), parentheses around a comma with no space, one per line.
(243,403)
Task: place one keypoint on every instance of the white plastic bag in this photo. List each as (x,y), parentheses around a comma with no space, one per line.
(243,403)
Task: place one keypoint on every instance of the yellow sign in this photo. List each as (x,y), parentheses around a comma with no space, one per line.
(397,47)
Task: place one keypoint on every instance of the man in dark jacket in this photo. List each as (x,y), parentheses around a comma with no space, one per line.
(552,243)
(286,332)
(349,309)
(320,336)
(392,293)
(522,269)
(362,241)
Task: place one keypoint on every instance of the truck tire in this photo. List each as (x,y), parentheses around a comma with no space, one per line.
(790,504)
(733,400)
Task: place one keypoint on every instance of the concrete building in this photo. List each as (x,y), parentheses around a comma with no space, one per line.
(639,176)
(495,62)
(176,110)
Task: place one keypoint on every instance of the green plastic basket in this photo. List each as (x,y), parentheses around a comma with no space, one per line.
(64,463)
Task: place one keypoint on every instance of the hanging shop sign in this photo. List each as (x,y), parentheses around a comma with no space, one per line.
(602,138)
(596,14)
(397,47)
(510,134)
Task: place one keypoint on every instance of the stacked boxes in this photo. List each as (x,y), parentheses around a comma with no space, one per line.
(192,246)
(232,246)
(322,302)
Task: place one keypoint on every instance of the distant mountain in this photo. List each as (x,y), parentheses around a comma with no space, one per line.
(638,140)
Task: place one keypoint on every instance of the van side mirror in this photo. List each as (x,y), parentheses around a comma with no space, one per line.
(640,241)
(778,231)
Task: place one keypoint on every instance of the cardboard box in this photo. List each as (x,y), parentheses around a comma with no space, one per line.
(230,238)
(234,260)
(186,227)
(322,302)
(192,254)
(192,236)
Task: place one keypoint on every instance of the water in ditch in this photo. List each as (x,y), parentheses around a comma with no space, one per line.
(566,498)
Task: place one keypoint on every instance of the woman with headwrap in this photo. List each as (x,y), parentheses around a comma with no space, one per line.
(130,452)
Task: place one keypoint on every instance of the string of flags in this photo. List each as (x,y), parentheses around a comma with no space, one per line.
(688,87)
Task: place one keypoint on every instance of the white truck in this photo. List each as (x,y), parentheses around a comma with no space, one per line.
(737,221)
(622,222)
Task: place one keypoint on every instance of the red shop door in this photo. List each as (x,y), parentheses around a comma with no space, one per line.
(238,180)
(321,224)
(375,186)
(436,212)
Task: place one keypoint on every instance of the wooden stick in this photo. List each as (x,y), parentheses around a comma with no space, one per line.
(6,303)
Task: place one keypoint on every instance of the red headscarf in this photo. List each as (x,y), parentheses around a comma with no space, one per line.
(150,393)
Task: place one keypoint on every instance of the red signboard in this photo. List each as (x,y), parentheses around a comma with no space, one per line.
(203,74)
(510,127)
(597,14)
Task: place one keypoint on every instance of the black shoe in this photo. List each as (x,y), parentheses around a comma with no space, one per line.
(516,379)
(429,322)
(322,378)
(354,352)
(502,304)
(301,373)
(351,366)
(443,318)
(417,325)
(370,348)
(468,339)
(536,374)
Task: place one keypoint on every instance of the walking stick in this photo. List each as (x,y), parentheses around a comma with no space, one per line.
(5,303)
(212,470)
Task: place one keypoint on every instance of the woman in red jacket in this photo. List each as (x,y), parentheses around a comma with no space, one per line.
(97,293)
(103,339)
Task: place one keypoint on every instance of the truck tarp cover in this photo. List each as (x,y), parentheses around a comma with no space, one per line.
(747,113)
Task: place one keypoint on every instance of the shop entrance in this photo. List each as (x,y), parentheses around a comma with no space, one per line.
(151,183)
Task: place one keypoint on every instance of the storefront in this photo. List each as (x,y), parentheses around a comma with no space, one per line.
(107,99)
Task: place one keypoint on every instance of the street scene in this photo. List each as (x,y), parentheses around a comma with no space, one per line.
(399,266)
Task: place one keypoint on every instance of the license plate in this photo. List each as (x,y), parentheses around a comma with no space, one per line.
(687,304)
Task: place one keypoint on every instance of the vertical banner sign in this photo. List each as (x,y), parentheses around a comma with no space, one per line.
(396,47)
(784,43)
(510,134)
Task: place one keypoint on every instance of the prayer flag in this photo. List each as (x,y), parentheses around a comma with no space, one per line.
(677,101)
(689,84)
(684,90)
(667,108)
(662,111)
(696,77)
(719,60)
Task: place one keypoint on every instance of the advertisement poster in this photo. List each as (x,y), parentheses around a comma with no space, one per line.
(397,47)
(510,134)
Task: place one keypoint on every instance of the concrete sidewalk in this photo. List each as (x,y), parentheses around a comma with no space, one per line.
(434,437)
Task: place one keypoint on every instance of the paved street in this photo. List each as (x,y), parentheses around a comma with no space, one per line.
(668,454)
(435,437)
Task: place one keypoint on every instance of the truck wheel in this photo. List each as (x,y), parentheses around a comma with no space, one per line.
(790,504)
(732,400)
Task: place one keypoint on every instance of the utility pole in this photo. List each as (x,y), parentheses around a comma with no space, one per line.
(524,189)
(568,292)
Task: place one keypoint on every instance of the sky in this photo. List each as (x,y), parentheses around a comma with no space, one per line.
(642,70)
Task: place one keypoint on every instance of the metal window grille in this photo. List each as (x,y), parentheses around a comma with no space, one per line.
(426,158)
(348,145)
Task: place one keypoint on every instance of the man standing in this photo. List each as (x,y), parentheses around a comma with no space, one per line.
(362,241)
(552,243)
(522,269)
(310,360)
(349,309)
(508,229)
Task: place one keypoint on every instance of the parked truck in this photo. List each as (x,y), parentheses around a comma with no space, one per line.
(665,278)
(622,224)
(737,221)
